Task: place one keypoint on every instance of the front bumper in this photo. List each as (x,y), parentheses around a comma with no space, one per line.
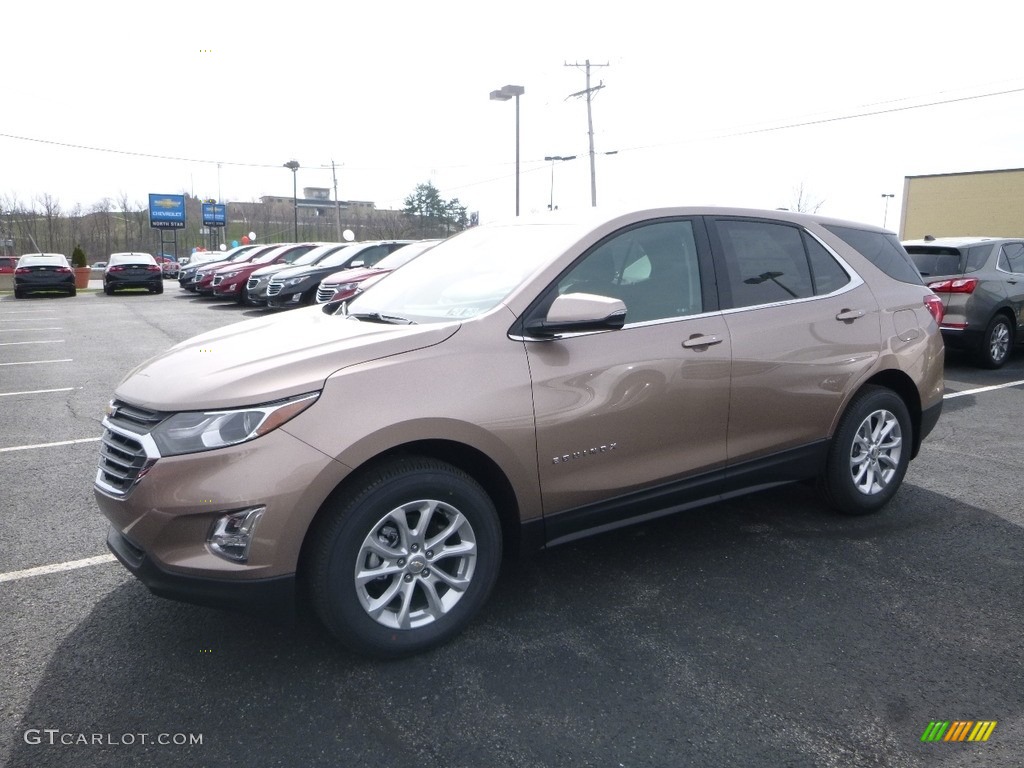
(273,597)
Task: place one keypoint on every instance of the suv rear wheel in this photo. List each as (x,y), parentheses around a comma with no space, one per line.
(997,343)
(869,453)
(405,558)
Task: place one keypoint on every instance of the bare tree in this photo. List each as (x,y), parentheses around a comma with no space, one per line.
(803,202)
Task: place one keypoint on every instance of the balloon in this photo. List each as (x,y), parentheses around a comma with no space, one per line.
(349,235)
(252,236)
(234,244)
(245,239)
(223,247)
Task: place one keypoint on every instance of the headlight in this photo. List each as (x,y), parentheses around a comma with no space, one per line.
(345,287)
(294,281)
(226,275)
(194,431)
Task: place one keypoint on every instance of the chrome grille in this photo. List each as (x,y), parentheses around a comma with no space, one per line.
(122,461)
(324,293)
(218,280)
(253,282)
(134,418)
(275,287)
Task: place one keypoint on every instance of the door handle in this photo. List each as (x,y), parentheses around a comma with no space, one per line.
(849,315)
(701,340)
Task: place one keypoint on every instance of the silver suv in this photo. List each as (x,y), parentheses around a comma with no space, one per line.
(518,386)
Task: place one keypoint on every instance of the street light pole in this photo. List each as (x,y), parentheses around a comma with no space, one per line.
(553,158)
(293,166)
(885,215)
(505,93)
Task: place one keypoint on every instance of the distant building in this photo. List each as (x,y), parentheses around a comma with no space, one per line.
(319,198)
(972,203)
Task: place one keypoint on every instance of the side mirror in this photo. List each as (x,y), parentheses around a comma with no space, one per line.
(357,263)
(579,313)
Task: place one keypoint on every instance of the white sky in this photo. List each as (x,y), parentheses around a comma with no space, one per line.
(397,94)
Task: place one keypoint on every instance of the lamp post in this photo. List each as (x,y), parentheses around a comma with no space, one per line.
(293,166)
(885,214)
(505,93)
(553,158)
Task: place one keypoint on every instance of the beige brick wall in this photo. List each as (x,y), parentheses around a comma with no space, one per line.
(983,203)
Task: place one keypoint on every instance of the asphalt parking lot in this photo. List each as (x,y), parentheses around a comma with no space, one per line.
(758,632)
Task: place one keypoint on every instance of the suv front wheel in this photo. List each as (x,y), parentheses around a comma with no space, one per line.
(869,453)
(405,558)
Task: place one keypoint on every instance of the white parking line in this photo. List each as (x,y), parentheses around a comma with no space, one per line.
(50,445)
(56,568)
(983,389)
(37,391)
(40,362)
(27,330)
(19,343)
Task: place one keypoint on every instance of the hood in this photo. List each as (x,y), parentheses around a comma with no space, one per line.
(270,269)
(353,275)
(257,361)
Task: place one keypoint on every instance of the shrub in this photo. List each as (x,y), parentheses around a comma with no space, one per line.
(78,257)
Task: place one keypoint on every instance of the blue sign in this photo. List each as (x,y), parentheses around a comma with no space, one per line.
(214,215)
(167,211)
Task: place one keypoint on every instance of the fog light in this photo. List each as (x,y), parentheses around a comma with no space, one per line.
(232,534)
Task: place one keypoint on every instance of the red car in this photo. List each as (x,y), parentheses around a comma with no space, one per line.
(342,286)
(202,280)
(229,281)
(7,264)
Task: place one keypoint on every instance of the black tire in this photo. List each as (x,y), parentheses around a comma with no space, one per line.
(361,523)
(861,473)
(996,343)
(108,289)
(73,292)
(243,296)
(159,289)
(19,294)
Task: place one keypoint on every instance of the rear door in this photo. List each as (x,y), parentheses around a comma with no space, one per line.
(804,329)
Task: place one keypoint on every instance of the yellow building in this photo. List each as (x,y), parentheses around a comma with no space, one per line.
(974,203)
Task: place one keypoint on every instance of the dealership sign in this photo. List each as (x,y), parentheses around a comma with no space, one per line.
(167,211)
(214,215)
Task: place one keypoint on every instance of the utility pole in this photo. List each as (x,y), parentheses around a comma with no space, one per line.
(588,92)
(337,202)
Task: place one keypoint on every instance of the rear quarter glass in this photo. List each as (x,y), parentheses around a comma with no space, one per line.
(882,249)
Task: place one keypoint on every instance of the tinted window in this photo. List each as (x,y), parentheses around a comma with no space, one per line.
(765,262)
(826,272)
(932,260)
(653,269)
(977,256)
(882,249)
(1013,255)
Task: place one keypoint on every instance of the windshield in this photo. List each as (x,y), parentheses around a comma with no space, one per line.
(468,274)
(339,257)
(318,253)
(405,254)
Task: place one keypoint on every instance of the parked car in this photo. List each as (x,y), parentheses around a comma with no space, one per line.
(342,286)
(294,287)
(981,283)
(259,281)
(202,280)
(168,265)
(96,270)
(43,272)
(517,386)
(229,282)
(7,264)
(201,258)
(132,270)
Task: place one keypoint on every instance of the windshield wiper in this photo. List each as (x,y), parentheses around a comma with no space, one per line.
(379,317)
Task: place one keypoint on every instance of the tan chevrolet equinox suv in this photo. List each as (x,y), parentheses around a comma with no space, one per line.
(517,386)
